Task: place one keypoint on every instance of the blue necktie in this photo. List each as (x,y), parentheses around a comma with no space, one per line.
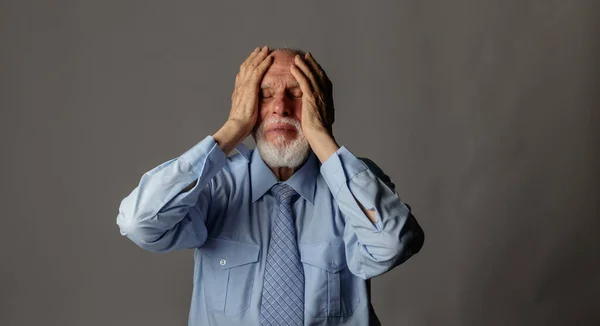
(283,289)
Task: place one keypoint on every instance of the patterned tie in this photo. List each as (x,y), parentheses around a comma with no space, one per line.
(283,290)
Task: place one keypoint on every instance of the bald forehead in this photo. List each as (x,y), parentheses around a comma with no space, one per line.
(283,57)
(279,73)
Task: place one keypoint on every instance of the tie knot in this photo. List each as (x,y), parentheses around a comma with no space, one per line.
(283,192)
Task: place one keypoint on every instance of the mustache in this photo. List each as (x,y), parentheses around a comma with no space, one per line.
(290,121)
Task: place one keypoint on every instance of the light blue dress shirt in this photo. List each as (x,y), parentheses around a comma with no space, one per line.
(226,218)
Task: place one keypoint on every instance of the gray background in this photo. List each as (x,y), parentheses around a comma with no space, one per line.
(484,113)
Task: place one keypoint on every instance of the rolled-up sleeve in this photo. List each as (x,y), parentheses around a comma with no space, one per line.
(371,248)
(157,215)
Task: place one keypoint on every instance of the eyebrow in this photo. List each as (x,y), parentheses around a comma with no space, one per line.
(292,85)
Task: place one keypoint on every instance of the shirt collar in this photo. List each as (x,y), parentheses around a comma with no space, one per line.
(242,149)
(303,181)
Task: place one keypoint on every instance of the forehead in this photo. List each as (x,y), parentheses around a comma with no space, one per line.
(279,73)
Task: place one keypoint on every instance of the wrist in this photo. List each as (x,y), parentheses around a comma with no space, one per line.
(315,132)
(322,144)
(230,135)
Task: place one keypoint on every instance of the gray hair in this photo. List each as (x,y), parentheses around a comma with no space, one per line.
(290,50)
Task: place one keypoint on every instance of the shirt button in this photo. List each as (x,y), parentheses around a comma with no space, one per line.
(223,262)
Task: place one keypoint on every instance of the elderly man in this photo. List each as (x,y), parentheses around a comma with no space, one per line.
(289,233)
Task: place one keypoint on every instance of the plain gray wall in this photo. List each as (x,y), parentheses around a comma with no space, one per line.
(484,114)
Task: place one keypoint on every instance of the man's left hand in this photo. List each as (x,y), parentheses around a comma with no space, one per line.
(317,95)
(317,106)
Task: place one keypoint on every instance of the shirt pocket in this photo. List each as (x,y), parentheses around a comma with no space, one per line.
(228,272)
(331,290)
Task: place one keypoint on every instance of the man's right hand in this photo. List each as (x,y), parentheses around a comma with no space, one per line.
(244,101)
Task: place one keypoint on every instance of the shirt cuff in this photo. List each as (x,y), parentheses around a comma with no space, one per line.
(341,167)
(205,156)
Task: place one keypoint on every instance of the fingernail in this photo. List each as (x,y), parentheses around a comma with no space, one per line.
(308,54)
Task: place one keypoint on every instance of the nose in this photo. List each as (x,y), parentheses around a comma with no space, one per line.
(281,106)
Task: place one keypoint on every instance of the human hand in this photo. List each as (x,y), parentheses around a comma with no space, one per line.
(244,100)
(317,95)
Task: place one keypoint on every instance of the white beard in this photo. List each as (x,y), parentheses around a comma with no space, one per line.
(279,152)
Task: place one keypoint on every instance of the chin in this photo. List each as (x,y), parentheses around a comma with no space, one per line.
(281,152)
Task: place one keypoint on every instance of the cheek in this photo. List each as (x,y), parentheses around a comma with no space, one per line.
(263,110)
(298,109)
(262,113)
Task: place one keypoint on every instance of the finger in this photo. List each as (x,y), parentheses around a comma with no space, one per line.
(316,67)
(320,72)
(252,55)
(242,71)
(307,72)
(302,80)
(250,62)
(260,70)
(259,57)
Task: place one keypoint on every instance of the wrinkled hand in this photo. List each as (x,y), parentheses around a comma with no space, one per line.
(317,95)
(244,100)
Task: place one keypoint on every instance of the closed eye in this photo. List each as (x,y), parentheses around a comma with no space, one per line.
(295,93)
(264,95)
